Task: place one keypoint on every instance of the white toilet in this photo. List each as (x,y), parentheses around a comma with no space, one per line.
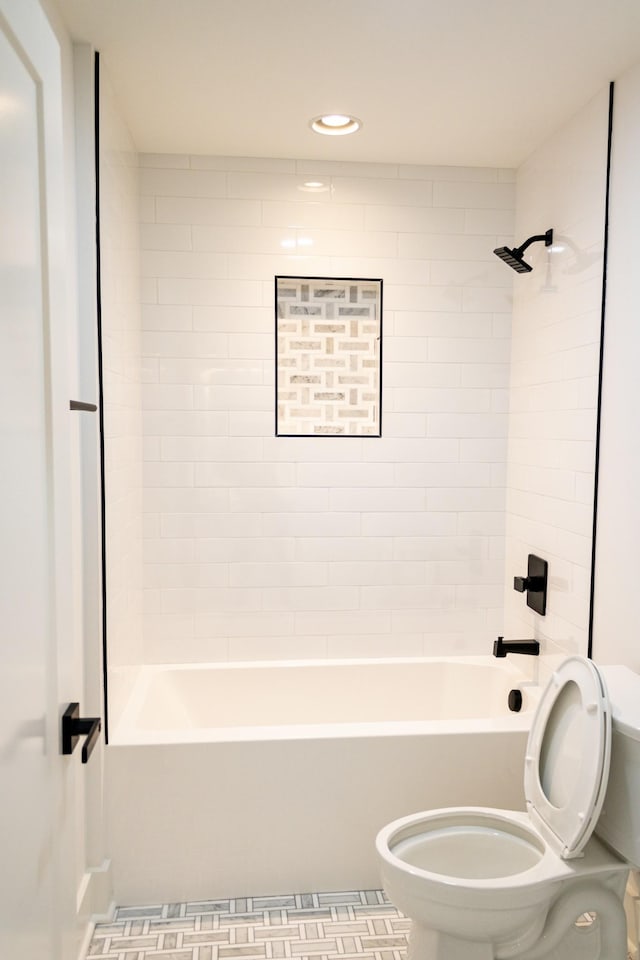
(486,884)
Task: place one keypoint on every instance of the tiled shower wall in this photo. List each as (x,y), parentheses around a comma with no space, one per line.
(554,379)
(257,547)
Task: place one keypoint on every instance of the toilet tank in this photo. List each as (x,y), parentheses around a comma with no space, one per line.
(619,822)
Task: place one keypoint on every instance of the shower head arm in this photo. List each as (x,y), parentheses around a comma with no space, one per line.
(547,237)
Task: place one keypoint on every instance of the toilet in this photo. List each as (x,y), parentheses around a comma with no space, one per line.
(487,884)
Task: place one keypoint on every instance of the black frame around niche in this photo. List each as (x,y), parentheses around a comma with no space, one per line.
(345,280)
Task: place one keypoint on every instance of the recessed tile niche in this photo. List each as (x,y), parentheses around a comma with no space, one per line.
(328,356)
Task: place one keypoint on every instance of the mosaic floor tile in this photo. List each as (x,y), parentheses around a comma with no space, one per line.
(351,925)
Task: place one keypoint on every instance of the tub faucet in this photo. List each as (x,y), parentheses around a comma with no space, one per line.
(501,647)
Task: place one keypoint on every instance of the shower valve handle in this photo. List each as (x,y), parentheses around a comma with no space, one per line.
(522,584)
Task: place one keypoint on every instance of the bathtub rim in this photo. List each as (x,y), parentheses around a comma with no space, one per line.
(123,731)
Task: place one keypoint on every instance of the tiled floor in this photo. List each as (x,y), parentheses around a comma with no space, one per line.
(356,925)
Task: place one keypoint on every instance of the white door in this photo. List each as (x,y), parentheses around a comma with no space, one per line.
(39,809)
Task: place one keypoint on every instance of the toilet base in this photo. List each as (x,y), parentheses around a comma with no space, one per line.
(426,944)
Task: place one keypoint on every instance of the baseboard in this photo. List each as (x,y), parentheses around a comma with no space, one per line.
(95,896)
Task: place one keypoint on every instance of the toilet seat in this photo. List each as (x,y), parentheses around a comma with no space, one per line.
(568,755)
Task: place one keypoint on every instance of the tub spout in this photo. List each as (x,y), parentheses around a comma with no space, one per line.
(502,647)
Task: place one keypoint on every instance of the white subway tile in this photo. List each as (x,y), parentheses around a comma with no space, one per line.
(177,423)
(414,193)
(185,500)
(311,598)
(321,549)
(320,524)
(161,318)
(233,397)
(170,182)
(489,299)
(404,424)
(439,299)
(164,550)
(481,196)
(347,622)
(372,573)
(424,597)
(411,450)
(490,375)
(264,267)
(448,325)
(487,222)
(329,216)
(227,600)
(224,474)
(209,526)
(443,474)
(469,273)
(252,345)
(167,397)
(156,474)
(481,523)
(484,451)
(444,350)
(244,550)
(415,549)
(279,500)
(277,648)
(251,423)
(266,623)
(272,186)
(232,239)
(453,174)
(185,575)
(380,499)
(255,164)
(435,400)
(407,524)
(278,575)
(171,161)
(161,236)
(209,292)
(186,264)
(238,319)
(210,372)
(465,499)
(201,210)
(361,475)
(454,247)
(409,219)
(348,168)
(367,646)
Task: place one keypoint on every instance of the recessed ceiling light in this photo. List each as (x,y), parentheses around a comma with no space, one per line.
(335,124)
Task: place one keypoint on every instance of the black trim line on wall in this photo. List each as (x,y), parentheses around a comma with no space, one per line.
(600,372)
(103,524)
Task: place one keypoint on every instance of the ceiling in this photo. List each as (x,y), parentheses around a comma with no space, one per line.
(464,82)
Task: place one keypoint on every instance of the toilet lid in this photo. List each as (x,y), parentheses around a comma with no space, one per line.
(567,759)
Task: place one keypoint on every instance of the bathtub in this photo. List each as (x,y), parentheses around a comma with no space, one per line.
(238,779)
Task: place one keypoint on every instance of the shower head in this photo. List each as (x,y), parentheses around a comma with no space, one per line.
(514,257)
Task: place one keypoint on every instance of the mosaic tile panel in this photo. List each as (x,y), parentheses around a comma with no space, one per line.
(328,356)
(353,925)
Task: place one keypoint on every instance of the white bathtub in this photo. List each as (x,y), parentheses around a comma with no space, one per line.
(237,779)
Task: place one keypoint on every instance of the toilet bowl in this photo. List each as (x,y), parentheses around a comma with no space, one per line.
(488,884)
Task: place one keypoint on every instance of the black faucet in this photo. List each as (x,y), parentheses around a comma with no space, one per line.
(501,647)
